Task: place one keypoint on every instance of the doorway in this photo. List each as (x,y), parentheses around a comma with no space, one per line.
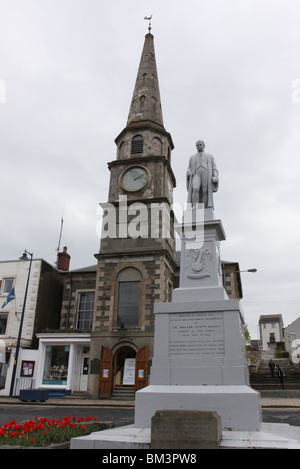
(84,372)
(124,366)
(124,371)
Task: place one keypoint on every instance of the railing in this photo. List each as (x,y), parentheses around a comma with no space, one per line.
(24,383)
(253,367)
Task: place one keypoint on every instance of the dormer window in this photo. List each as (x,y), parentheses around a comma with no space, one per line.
(137,144)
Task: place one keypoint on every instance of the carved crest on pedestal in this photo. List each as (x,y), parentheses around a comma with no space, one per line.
(198,264)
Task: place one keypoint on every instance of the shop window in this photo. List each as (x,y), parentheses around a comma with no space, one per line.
(85,310)
(56,365)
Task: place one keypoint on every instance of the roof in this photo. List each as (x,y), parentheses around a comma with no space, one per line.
(270,318)
(90,268)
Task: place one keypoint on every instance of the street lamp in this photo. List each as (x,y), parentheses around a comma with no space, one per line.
(22,258)
(248,270)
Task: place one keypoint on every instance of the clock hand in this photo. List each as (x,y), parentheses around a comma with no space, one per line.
(138,177)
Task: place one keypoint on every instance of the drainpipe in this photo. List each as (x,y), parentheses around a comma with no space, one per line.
(69,304)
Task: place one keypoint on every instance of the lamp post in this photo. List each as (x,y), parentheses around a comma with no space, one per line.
(248,270)
(22,258)
(235,272)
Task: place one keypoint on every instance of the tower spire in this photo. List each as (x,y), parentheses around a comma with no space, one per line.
(146,103)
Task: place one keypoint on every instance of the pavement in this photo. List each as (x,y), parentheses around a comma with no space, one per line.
(273,402)
(283,402)
(70,401)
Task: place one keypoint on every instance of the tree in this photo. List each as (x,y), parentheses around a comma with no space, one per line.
(247,335)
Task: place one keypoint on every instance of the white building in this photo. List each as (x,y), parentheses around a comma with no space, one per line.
(270,330)
(63,362)
(292,340)
(42,311)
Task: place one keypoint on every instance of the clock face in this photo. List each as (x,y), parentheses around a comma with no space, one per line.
(134,178)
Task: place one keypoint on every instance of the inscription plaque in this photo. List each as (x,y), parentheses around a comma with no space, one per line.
(196,334)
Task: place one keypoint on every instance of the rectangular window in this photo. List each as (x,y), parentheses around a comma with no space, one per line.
(85,310)
(128,307)
(7,285)
(56,365)
(3,323)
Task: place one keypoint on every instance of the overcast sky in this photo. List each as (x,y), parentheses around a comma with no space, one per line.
(229,73)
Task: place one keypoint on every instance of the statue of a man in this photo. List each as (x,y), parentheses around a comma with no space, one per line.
(202,177)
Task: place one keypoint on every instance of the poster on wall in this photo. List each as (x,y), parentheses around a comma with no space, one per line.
(27,368)
(129,371)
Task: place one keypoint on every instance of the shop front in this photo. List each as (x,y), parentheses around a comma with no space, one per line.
(63,363)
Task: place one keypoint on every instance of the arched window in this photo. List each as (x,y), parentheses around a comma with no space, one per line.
(128,284)
(137,144)
(157,146)
(121,150)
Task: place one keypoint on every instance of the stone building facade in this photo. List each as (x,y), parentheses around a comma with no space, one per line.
(136,262)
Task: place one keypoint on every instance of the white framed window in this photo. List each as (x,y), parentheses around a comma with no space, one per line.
(7,285)
(85,310)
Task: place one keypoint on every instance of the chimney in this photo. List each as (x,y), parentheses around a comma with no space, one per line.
(63,260)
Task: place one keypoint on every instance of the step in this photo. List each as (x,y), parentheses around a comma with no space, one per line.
(267,378)
(279,393)
(122,391)
(267,387)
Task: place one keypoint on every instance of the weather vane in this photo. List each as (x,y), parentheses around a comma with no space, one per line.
(149,19)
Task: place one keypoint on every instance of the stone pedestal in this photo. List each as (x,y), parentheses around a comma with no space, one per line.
(199,343)
(199,358)
(237,406)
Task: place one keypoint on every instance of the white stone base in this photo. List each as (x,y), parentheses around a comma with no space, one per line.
(271,436)
(238,406)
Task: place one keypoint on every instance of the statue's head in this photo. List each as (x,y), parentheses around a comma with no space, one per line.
(200,145)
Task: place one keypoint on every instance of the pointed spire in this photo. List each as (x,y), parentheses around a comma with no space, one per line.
(146,104)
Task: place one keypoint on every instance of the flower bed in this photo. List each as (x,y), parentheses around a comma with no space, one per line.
(42,432)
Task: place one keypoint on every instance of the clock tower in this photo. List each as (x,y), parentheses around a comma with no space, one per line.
(136,261)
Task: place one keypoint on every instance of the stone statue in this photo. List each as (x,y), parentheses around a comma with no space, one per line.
(202,177)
